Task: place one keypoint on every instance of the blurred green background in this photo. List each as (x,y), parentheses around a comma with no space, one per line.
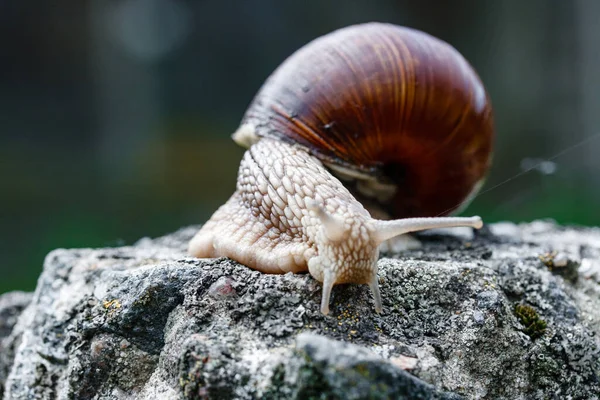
(116,115)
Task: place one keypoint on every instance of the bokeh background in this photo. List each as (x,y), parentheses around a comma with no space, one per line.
(115,116)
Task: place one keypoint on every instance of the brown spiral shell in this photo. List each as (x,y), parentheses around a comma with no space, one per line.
(400,112)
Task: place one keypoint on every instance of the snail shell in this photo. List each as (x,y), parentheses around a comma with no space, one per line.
(399,115)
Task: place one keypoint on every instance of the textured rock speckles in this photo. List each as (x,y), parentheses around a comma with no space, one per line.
(11,307)
(146,321)
(365,375)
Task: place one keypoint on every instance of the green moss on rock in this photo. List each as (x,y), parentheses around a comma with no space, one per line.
(535,327)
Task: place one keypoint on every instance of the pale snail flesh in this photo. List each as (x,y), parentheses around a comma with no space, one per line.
(374,105)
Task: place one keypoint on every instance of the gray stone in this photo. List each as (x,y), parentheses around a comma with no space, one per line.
(148,322)
(11,306)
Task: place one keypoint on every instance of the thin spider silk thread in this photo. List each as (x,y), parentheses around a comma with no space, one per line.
(526,171)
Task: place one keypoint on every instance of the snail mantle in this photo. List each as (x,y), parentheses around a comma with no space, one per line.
(510,311)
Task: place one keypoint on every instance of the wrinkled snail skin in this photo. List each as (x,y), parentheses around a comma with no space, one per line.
(342,139)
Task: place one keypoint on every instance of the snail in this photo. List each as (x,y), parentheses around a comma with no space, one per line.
(366,133)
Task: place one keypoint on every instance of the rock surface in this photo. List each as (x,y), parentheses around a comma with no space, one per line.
(512,312)
(11,307)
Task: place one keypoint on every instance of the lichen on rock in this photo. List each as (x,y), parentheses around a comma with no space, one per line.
(462,319)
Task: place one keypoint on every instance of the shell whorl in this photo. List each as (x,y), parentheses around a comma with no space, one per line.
(401,109)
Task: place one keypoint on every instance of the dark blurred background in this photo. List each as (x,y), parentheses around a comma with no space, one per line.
(116,115)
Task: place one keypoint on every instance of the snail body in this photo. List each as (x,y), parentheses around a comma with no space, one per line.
(397,115)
